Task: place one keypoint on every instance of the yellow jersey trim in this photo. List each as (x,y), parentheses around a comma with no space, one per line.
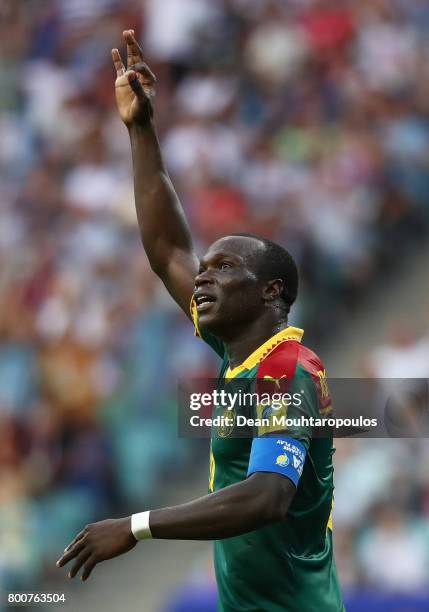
(212,469)
(194,317)
(330,525)
(290,333)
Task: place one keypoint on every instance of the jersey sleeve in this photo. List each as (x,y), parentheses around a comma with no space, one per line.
(296,401)
(288,396)
(215,343)
(288,392)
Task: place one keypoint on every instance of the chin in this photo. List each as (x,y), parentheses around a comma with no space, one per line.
(207,322)
(211,322)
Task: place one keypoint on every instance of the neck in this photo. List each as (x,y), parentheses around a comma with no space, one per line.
(247,340)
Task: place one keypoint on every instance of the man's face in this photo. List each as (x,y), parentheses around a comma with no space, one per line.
(228,293)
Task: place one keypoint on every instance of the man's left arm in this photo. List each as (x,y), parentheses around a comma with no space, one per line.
(261,499)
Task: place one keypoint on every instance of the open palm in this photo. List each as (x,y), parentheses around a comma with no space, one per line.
(134,86)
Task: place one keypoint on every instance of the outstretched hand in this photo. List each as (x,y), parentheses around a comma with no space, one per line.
(98,542)
(135,85)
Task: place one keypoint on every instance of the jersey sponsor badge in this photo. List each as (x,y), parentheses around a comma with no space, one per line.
(282,460)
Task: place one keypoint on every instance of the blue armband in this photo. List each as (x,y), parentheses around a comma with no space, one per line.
(281,455)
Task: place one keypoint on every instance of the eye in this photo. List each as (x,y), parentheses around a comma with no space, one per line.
(224,265)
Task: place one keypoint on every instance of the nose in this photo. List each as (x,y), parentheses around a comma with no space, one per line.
(203,278)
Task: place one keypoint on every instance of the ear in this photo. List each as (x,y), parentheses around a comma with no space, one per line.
(272,290)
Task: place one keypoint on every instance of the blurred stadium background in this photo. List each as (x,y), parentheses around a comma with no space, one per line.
(306,121)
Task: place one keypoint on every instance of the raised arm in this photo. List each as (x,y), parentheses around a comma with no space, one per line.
(163,226)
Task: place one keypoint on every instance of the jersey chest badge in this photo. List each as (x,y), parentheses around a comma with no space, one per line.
(226,426)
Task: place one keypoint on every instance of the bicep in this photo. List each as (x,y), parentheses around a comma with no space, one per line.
(276,491)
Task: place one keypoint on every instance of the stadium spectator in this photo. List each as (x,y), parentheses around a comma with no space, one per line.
(306,122)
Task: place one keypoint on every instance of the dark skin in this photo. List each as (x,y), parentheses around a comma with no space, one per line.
(245,312)
(232,302)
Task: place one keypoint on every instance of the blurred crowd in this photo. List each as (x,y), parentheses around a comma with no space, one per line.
(306,121)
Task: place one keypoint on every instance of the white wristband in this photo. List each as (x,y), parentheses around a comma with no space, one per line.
(140,525)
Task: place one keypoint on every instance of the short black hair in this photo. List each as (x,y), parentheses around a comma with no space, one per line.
(277,262)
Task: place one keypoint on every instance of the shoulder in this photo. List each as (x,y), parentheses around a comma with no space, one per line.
(292,363)
(309,361)
(280,362)
(311,366)
(287,357)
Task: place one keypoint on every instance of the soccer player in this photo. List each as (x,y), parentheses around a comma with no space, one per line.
(270,500)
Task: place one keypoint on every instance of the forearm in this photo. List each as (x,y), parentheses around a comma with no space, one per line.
(162,222)
(232,511)
(261,499)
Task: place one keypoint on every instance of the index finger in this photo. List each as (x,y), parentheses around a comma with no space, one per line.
(78,537)
(134,52)
(71,553)
(117,60)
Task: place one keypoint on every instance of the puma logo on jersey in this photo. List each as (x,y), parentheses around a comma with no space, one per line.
(276,380)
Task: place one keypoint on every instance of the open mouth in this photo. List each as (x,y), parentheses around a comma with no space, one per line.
(204,301)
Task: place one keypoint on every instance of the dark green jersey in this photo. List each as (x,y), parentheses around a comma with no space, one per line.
(286,566)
